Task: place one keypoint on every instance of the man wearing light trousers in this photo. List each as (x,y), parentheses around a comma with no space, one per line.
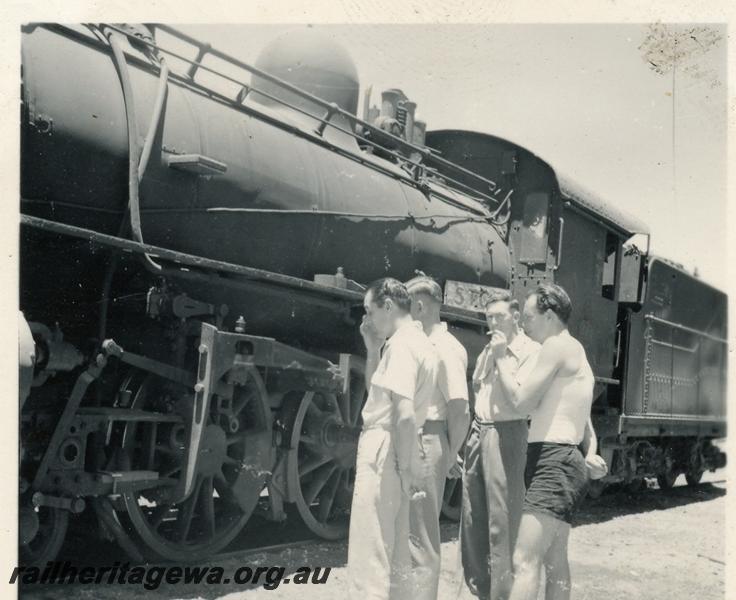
(441,437)
(400,381)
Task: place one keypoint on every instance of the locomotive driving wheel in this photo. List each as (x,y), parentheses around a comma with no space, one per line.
(41,531)
(321,462)
(233,463)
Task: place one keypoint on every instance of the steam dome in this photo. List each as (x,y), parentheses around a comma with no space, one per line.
(313,62)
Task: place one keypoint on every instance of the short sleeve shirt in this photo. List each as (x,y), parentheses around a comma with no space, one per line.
(452,383)
(491,403)
(408,368)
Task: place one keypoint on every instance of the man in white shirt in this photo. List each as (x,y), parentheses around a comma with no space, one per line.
(441,437)
(495,458)
(400,383)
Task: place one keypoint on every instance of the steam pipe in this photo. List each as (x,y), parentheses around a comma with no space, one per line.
(133,149)
(145,155)
(163,86)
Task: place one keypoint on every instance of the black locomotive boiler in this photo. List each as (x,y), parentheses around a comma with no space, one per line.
(196,233)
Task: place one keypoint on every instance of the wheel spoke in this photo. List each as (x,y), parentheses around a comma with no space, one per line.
(343,484)
(169,472)
(310,441)
(208,506)
(316,413)
(313,463)
(158,514)
(334,407)
(224,491)
(356,402)
(319,481)
(343,403)
(149,446)
(327,498)
(186,513)
(221,482)
(243,402)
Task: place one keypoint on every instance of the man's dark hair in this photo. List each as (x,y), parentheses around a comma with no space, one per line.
(388,287)
(502,296)
(425,285)
(553,297)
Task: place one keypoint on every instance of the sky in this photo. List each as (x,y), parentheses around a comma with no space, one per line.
(594,100)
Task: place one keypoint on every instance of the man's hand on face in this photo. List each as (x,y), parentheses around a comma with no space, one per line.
(372,339)
(499,343)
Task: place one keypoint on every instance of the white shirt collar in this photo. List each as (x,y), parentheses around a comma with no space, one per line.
(407,326)
(517,344)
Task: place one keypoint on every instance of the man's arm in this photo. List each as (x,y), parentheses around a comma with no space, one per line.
(595,464)
(405,428)
(373,343)
(526,397)
(589,445)
(373,357)
(458,420)
(400,380)
(455,391)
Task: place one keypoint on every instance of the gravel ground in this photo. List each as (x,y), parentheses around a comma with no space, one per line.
(652,545)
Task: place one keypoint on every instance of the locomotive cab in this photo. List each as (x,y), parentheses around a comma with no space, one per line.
(559,232)
(658,358)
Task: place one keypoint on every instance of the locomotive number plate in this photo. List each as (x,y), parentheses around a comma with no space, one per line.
(470,296)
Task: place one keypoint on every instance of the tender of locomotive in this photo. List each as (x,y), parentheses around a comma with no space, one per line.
(193,249)
(655,335)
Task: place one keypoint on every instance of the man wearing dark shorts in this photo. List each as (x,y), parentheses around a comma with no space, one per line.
(558,394)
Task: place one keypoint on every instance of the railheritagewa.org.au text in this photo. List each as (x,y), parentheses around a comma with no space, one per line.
(153,577)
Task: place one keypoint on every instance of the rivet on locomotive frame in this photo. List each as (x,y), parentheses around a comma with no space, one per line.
(193,258)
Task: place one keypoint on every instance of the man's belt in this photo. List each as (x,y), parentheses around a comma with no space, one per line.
(433,427)
(384,427)
(482,423)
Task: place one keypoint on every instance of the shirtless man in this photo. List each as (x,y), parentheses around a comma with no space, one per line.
(557,394)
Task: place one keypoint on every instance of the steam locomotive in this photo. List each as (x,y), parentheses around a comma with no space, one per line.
(196,235)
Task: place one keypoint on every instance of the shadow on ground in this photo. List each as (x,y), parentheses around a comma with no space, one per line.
(257,533)
(616,503)
(332,554)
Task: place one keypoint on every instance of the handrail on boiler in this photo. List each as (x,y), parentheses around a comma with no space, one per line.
(673,325)
(430,161)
